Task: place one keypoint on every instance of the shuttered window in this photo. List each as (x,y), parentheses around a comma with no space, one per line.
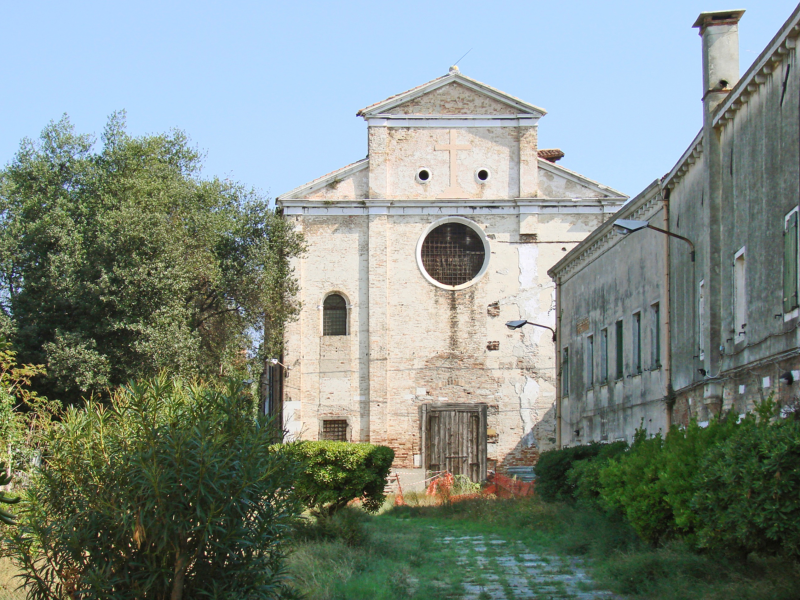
(636,340)
(565,372)
(790,259)
(604,356)
(620,365)
(655,336)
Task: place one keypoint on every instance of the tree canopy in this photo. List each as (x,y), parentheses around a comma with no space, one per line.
(119,261)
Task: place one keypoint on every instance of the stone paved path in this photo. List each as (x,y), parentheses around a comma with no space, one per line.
(501,570)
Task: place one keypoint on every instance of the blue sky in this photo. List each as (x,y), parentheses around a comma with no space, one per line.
(270,89)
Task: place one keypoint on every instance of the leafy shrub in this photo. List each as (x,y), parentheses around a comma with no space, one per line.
(584,476)
(5,516)
(630,484)
(551,470)
(171,491)
(23,413)
(685,451)
(748,489)
(334,473)
(653,483)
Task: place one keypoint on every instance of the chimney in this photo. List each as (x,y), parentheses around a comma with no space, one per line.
(720,33)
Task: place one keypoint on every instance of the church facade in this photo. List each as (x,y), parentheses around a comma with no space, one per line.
(417,256)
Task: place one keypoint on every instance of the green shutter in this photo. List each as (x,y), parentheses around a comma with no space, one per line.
(790,264)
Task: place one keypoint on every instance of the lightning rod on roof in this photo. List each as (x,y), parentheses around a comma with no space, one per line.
(462,58)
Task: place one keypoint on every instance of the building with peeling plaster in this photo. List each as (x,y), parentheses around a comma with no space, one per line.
(660,327)
(417,256)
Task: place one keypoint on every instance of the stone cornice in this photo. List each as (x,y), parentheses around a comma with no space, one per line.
(642,208)
(453,76)
(448,121)
(689,158)
(451,207)
(776,52)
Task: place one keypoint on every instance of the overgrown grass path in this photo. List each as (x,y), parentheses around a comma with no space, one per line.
(425,554)
(498,569)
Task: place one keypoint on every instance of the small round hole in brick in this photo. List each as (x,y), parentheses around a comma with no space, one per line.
(483,175)
(423,175)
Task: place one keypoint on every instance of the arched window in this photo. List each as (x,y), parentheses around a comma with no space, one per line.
(334,315)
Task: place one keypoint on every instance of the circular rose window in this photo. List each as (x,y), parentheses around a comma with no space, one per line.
(453,253)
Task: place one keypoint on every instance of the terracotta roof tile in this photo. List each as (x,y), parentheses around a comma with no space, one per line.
(551,154)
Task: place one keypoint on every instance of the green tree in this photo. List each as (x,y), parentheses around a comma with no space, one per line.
(172,491)
(23,413)
(120,261)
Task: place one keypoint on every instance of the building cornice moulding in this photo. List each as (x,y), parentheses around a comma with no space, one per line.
(454,207)
(685,163)
(450,121)
(642,208)
(776,52)
(452,76)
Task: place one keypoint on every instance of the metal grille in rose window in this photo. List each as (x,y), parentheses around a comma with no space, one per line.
(453,254)
(334,430)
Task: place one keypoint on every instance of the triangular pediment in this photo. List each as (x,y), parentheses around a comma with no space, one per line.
(558,182)
(453,94)
(348,183)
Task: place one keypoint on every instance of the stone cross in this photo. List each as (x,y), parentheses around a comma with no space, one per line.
(453,191)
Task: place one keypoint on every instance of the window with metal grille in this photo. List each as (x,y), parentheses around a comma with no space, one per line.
(334,315)
(453,254)
(334,430)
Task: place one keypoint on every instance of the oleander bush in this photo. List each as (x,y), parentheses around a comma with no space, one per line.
(731,486)
(552,483)
(748,490)
(171,491)
(583,479)
(334,473)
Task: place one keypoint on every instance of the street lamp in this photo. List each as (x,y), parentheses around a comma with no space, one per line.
(513,325)
(286,368)
(625,226)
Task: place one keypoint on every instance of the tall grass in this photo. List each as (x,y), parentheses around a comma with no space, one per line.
(397,557)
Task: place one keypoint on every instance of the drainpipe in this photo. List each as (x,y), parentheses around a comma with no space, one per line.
(558,363)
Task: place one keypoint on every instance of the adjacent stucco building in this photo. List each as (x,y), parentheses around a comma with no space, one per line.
(417,256)
(691,327)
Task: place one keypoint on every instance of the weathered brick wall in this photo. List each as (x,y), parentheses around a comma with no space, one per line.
(411,342)
(423,343)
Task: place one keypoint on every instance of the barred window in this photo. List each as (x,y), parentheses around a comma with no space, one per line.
(334,315)
(334,430)
(453,254)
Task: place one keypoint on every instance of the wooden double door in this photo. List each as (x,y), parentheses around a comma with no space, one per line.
(453,439)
